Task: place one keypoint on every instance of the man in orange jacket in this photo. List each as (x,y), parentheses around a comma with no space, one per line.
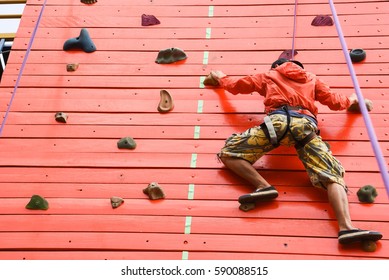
(289,93)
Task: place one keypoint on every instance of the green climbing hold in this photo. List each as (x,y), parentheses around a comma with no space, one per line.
(357,55)
(367,194)
(127,143)
(37,202)
(82,42)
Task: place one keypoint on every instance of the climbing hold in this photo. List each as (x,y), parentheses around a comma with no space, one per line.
(149,20)
(37,202)
(88,1)
(154,191)
(171,55)
(166,102)
(357,55)
(61,117)
(210,81)
(287,54)
(71,67)
(247,207)
(322,20)
(83,42)
(367,194)
(126,143)
(116,201)
(355,107)
(369,245)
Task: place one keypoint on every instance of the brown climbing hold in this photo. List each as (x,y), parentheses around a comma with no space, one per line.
(166,103)
(61,117)
(88,1)
(369,245)
(287,54)
(149,20)
(37,202)
(355,107)
(116,201)
(71,67)
(322,20)
(210,81)
(154,191)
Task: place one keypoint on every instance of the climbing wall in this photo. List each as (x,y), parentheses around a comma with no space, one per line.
(115,92)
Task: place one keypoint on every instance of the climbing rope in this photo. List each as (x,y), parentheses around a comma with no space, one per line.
(22,68)
(361,101)
(294,27)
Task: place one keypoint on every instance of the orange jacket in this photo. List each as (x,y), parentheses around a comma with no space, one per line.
(288,84)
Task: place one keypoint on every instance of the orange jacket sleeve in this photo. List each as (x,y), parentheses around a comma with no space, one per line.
(243,85)
(333,100)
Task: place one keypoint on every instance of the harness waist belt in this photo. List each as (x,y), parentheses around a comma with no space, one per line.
(298,109)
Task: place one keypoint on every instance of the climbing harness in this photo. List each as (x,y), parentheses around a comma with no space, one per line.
(271,133)
(22,67)
(365,114)
(268,128)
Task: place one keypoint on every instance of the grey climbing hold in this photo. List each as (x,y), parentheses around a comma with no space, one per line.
(127,143)
(247,207)
(322,20)
(116,201)
(37,202)
(154,191)
(83,42)
(170,55)
(61,117)
(71,67)
(367,194)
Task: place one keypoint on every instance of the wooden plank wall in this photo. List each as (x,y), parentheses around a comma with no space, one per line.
(77,166)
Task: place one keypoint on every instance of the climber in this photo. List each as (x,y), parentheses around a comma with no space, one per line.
(289,93)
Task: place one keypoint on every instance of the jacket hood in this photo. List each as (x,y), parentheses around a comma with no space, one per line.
(294,72)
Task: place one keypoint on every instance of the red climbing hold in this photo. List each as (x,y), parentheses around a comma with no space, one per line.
(149,20)
(287,54)
(322,20)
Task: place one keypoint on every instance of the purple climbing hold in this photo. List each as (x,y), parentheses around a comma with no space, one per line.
(287,54)
(149,20)
(322,20)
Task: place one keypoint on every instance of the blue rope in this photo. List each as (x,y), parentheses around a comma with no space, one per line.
(361,101)
(22,68)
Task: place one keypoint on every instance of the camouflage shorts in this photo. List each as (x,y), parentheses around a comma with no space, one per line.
(322,167)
